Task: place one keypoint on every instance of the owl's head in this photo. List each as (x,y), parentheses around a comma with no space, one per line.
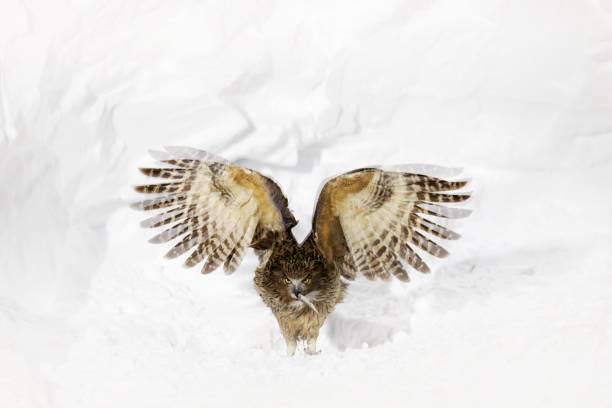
(297,286)
(300,282)
(297,278)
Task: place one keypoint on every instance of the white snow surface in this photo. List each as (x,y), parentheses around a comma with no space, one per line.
(517,93)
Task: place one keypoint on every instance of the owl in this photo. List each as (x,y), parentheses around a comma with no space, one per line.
(368,221)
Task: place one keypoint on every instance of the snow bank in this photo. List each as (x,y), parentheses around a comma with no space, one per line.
(519,94)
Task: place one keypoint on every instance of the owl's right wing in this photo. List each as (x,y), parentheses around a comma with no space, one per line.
(216,207)
(367,220)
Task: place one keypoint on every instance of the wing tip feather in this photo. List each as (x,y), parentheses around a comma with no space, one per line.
(403,277)
(452,236)
(137,206)
(424,268)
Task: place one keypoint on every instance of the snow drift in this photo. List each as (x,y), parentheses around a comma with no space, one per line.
(519,94)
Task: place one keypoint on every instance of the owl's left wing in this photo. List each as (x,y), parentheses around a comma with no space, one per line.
(367,220)
(217,208)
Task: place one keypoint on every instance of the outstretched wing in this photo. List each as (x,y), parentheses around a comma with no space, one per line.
(217,208)
(368,219)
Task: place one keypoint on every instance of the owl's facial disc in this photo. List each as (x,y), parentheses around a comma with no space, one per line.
(297,287)
(299,291)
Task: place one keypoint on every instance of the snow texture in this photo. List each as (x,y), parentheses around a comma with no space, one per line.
(517,93)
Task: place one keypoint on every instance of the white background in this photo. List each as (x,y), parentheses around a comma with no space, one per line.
(518,93)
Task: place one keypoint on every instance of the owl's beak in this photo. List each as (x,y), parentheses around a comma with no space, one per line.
(296,292)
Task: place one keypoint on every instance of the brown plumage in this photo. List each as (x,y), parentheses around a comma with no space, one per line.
(366,221)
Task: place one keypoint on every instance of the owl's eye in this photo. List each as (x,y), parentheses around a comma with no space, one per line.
(287,281)
(306,281)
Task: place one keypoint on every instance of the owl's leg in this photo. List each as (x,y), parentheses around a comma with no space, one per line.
(291,346)
(311,346)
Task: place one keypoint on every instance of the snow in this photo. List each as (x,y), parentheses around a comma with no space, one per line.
(518,94)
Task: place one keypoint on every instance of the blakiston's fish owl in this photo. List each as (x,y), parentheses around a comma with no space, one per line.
(366,221)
